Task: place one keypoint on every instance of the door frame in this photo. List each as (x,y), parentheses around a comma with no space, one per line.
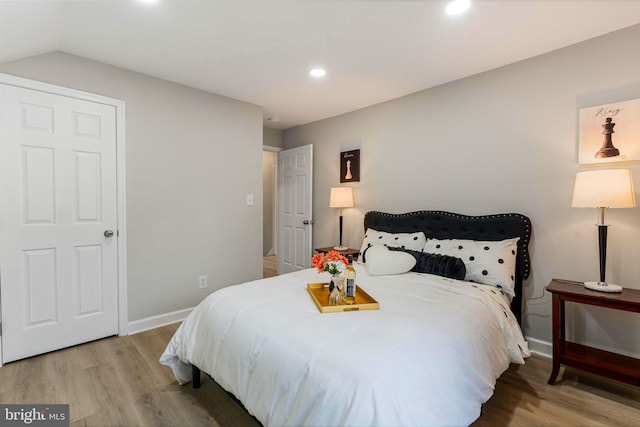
(119,106)
(274,213)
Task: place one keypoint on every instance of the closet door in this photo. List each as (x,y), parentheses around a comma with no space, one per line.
(58,218)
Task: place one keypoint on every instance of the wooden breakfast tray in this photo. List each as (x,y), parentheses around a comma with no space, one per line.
(320,294)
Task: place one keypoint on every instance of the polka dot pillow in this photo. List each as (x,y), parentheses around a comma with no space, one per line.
(413,241)
(489,263)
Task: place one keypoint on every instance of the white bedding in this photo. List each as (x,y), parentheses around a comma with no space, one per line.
(429,357)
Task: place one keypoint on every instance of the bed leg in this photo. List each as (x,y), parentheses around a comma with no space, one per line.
(195,372)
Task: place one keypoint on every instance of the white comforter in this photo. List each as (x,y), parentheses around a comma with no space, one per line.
(429,357)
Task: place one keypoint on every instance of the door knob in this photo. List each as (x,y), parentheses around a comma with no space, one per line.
(307,221)
(108,233)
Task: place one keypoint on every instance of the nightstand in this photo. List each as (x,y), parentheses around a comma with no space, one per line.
(596,361)
(347,252)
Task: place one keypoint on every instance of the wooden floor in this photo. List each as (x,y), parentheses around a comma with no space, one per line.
(118,382)
(523,398)
(270,266)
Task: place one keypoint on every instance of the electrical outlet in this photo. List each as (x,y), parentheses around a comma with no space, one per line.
(202,282)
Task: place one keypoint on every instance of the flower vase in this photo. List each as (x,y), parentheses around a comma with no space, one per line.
(336,290)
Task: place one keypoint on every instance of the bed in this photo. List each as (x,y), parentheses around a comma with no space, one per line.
(430,355)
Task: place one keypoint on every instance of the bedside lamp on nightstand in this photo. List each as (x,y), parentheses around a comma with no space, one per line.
(602,189)
(341,197)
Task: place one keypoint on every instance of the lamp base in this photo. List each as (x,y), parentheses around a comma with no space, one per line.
(603,287)
(340,248)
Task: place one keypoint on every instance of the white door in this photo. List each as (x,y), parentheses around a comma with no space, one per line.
(58,260)
(295,181)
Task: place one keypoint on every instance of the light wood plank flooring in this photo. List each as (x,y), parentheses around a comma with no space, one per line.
(523,398)
(118,382)
(269,266)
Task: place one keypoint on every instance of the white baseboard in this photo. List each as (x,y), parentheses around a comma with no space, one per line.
(153,322)
(544,348)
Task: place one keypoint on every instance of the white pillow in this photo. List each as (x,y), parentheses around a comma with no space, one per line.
(487,262)
(414,241)
(381,261)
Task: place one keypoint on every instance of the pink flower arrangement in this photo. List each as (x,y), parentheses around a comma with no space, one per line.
(333,263)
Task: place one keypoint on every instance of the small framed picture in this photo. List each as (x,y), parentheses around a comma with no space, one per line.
(610,133)
(350,166)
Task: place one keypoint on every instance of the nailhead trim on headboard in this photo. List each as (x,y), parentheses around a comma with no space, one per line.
(448,225)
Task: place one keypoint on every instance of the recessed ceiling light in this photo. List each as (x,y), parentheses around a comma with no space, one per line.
(318,72)
(458,6)
(273,119)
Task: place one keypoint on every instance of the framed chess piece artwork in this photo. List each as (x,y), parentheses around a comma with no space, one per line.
(610,133)
(350,166)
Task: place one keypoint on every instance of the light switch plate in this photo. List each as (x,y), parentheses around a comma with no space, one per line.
(202,282)
(249,199)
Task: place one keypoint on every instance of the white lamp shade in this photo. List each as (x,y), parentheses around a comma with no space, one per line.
(341,197)
(604,188)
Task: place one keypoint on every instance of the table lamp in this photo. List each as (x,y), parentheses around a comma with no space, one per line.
(340,198)
(602,189)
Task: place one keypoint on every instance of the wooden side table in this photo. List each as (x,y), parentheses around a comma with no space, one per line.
(596,361)
(347,252)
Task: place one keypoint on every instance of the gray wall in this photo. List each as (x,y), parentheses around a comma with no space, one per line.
(272,137)
(501,141)
(269,161)
(192,157)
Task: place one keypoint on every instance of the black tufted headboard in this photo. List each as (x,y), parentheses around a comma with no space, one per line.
(447,225)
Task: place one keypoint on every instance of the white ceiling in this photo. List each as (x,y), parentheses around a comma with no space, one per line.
(260,51)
